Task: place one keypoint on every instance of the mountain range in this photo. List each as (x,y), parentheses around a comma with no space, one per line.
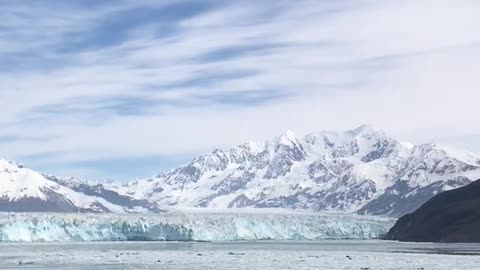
(361,171)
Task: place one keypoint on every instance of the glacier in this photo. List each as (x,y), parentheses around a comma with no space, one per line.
(189,226)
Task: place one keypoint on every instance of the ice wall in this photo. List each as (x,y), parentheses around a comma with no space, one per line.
(189,227)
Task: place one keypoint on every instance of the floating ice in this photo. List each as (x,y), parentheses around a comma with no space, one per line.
(184,226)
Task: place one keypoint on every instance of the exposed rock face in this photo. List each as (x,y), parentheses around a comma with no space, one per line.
(451,216)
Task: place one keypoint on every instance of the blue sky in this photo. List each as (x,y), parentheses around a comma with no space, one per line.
(126,89)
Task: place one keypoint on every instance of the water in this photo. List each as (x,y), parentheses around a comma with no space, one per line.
(296,255)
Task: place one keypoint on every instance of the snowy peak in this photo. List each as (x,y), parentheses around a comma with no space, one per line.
(24,190)
(245,153)
(5,165)
(18,182)
(349,171)
(443,151)
(287,139)
(365,129)
(364,142)
(288,142)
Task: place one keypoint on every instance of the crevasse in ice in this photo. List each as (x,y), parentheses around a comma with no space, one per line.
(29,227)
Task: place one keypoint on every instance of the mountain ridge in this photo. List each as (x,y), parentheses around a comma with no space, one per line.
(362,170)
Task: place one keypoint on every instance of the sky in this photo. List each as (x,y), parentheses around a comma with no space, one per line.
(123,89)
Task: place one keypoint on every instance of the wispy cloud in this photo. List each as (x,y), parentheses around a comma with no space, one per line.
(120,80)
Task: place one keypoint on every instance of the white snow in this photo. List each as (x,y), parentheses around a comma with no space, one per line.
(287,138)
(17,183)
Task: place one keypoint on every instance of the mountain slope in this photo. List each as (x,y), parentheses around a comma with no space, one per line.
(112,192)
(23,190)
(361,170)
(451,216)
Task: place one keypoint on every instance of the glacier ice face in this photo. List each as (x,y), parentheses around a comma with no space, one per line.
(184,226)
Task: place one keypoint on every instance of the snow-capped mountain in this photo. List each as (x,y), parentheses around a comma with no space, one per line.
(357,171)
(24,190)
(361,170)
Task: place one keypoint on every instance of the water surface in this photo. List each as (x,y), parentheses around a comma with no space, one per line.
(337,254)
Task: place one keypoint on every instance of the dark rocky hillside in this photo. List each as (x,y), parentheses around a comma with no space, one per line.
(451,216)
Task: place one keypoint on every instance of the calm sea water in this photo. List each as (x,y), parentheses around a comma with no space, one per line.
(240,255)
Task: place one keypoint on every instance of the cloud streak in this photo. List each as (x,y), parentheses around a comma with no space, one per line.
(129,79)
